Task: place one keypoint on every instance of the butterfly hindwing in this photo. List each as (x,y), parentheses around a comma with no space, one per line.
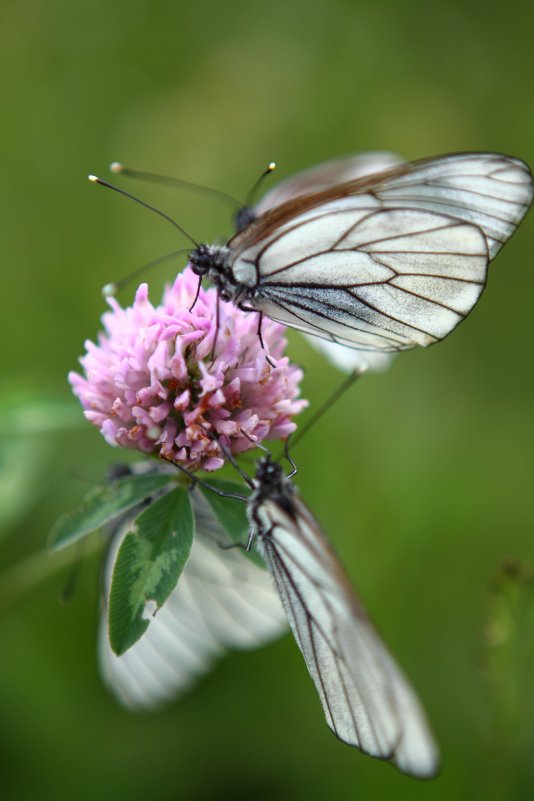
(325,175)
(223,601)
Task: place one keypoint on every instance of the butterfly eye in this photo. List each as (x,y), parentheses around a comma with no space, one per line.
(200,260)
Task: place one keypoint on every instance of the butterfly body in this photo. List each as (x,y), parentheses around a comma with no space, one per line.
(270,483)
(382,262)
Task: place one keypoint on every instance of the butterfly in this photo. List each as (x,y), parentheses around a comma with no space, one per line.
(378,262)
(223,601)
(367,701)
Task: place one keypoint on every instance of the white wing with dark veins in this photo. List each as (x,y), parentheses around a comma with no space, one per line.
(323,176)
(390,261)
(372,278)
(489,190)
(366,699)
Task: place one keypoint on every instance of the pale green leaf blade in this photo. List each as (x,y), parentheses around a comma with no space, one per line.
(103,504)
(148,565)
(231,514)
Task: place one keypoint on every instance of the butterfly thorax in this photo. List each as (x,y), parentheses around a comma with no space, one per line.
(270,484)
(213,262)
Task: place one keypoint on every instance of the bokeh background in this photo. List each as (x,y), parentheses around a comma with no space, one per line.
(421,476)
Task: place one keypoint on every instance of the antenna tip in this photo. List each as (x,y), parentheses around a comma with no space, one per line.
(109,290)
(116,166)
(93,179)
(272,166)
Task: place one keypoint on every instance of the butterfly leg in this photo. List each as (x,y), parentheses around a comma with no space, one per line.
(196,480)
(196,294)
(294,468)
(217,318)
(245,546)
(260,320)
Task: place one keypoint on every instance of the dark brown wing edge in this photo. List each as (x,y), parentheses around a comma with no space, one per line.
(267,223)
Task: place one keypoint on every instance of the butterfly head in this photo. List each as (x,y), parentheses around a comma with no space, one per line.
(269,474)
(202,260)
(212,262)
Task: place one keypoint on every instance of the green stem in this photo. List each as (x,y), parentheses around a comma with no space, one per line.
(23,576)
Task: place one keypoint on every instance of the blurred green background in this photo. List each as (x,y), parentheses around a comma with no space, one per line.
(422,476)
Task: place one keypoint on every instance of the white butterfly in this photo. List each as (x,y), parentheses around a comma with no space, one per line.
(222,601)
(381,262)
(366,699)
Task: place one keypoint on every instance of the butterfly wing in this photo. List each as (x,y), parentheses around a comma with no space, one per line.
(366,699)
(326,175)
(371,278)
(388,261)
(222,601)
(490,190)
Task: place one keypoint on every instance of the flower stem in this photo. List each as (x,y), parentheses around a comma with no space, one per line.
(28,573)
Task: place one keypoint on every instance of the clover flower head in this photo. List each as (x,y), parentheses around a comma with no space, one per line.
(175,381)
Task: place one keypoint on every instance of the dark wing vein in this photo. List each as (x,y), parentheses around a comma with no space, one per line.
(313,626)
(290,305)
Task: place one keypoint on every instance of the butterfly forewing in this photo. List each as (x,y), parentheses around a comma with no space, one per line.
(366,699)
(486,189)
(222,601)
(388,261)
(369,277)
(491,190)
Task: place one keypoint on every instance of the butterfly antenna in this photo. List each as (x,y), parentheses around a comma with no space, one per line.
(250,197)
(95,180)
(230,456)
(113,288)
(196,480)
(119,169)
(255,442)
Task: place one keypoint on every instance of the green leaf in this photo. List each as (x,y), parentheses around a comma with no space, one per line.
(231,514)
(103,504)
(148,566)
